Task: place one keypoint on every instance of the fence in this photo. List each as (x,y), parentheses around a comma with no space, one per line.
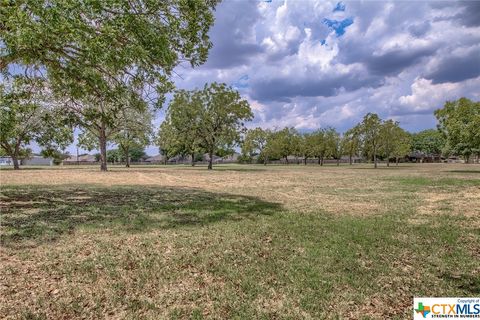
(298,161)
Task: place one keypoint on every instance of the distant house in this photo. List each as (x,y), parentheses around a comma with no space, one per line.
(81,159)
(355,159)
(156,159)
(215,159)
(161,159)
(34,160)
(418,156)
(455,159)
(231,158)
(37,161)
(6,161)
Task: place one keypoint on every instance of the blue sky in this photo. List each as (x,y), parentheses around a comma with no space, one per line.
(311,64)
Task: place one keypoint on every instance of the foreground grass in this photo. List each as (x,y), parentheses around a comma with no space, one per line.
(183,243)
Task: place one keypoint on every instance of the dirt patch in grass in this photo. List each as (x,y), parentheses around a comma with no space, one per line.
(464,202)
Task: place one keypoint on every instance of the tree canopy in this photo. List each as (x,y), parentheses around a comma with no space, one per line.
(211,119)
(459,121)
(27,114)
(369,131)
(255,144)
(103,56)
(179,133)
(430,142)
(105,47)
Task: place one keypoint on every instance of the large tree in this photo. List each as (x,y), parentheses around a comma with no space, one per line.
(351,144)
(211,119)
(102,123)
(183,120)
(27,114)
(318,146)
(298,146)
(103,46)
(395,142)
(135,132)
(305,147)
(104,55)
(369,131)
(282,142)
(460,122)
(255,144)
(403,145)
(430,142)
(334,143)
(167,141)
(222,115)
(388,137)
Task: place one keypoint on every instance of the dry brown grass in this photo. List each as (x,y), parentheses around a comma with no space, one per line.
(175,272)
(296,187)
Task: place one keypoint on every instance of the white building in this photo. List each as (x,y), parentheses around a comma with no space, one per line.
(37,161)
(6,161)
(32,161)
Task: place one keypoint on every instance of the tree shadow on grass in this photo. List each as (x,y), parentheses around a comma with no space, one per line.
(465,282)
(382,167)
(36,214)
(247,168)
(465,171)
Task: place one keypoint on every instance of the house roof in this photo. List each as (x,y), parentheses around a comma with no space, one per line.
(85,157)
(158,157)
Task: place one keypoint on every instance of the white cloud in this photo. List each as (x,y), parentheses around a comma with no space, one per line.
(306,76)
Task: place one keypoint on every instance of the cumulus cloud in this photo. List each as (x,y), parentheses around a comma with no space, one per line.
(458,66)
(318,63)
(233,35)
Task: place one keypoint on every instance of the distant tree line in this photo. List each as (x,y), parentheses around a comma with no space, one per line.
(212,121)
(196,123)
(371,139)
(458,133)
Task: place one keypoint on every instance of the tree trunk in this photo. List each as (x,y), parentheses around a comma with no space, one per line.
(305,160)
(210,161)
(321,161)
(193,159)
(375,157)
(338,162)
(265,160)
(16,165)
(388,161)
(286,159)
(318,160)
(127,157)
(103,148)
(396,161)
(14,154)
(350,159)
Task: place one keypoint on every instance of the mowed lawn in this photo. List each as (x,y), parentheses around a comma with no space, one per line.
(238,242)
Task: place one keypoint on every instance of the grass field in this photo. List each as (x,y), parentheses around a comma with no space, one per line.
(279,242)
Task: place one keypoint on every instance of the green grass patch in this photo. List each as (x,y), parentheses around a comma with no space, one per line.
(435,182)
